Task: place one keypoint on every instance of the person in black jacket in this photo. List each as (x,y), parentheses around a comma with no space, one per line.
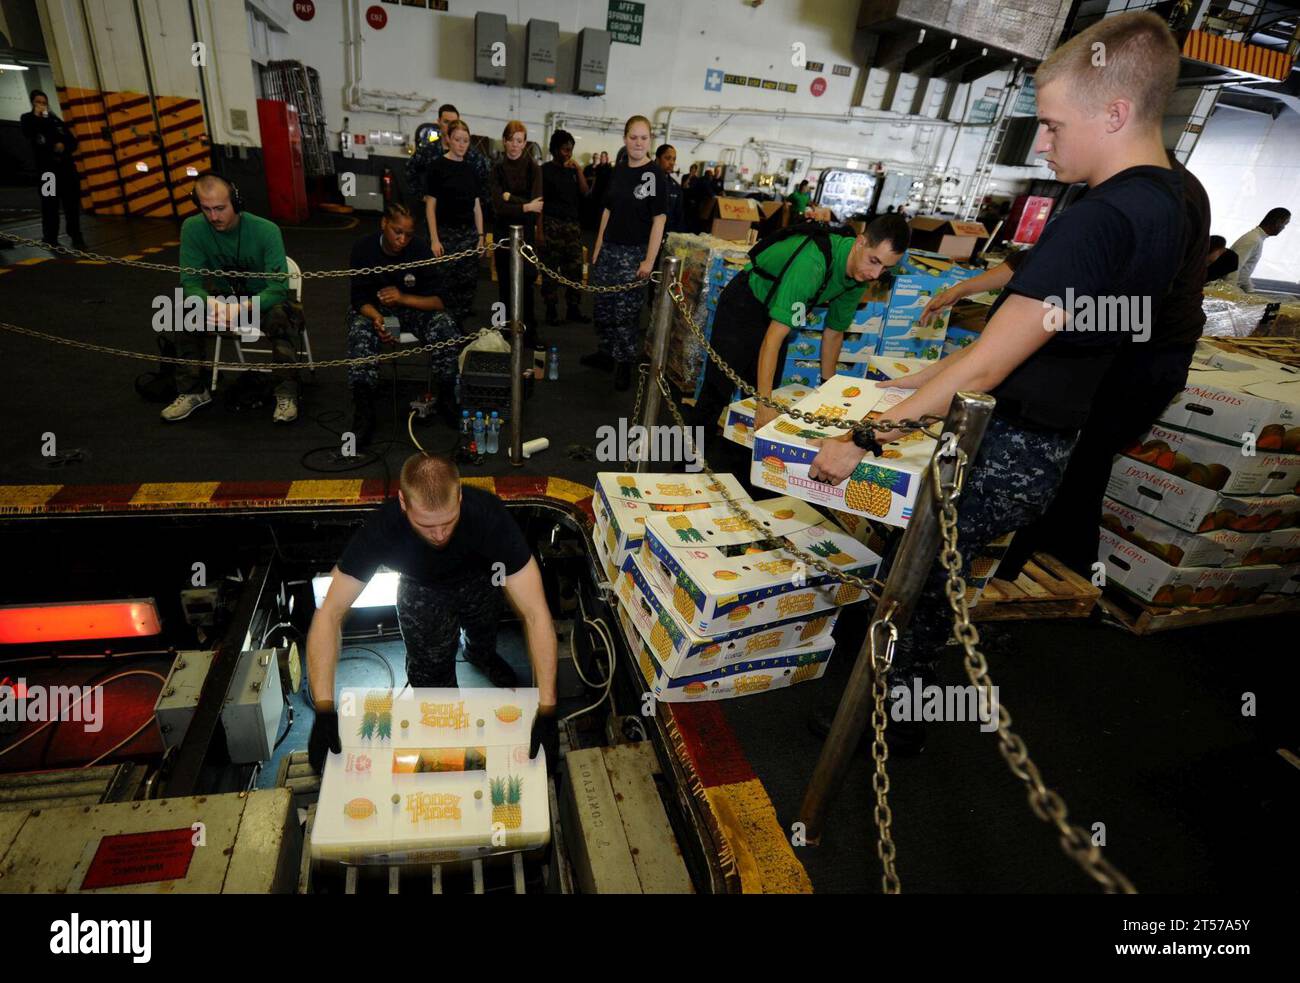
(565,190)
(666,158)
(54,146)
(516,191)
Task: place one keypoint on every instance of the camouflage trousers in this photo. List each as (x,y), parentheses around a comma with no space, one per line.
(456,281)
(431,620)
(427,326)
(277,326)
(618,315)
(562,251)
(1011,483)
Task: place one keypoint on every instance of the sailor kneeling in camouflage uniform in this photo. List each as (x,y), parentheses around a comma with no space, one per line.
(406,294)
(454,547)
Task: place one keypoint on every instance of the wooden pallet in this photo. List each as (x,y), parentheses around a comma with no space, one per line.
(1046,588)
(1284,350)
(1143,619)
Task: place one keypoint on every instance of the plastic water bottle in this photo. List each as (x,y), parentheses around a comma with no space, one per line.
(553,364)
(478,430)
(465,427)
(493,433)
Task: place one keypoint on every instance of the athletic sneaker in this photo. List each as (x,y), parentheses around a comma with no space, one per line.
(286,409)
(185,404)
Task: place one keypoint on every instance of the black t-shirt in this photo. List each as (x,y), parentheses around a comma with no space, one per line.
(560,194)
(635,196)
(367,251)
(486,534)
(454,186)
(1124,240)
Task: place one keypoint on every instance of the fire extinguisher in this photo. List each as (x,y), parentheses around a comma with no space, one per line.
(387,182)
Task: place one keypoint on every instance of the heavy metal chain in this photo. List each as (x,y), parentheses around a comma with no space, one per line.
(527,251)
(871,587)
(678,294)
(882,657)
(235,366)
(265,275)
(1046,803)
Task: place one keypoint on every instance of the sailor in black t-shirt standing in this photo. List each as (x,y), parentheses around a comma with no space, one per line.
(454,212)
(1085,290)
(407,295)
(454,547)
(559,234)
(627,244)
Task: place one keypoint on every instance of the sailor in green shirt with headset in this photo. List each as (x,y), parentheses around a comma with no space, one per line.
(806,265)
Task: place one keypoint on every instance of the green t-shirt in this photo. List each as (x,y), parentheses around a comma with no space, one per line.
(799,199)
(803,277)
(255,244)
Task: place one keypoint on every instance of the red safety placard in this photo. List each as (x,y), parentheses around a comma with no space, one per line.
(138,858)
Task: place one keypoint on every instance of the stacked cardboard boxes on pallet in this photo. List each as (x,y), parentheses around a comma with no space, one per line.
(717,608)
(708,265)
(1204,509)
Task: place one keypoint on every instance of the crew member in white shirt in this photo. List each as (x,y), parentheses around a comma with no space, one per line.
(1251,245)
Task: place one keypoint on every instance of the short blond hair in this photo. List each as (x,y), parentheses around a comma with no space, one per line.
(1138,59)
(429,481)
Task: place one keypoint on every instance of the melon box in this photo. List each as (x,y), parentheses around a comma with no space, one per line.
(622,502)
(1189,506)
(774,671)
(883,488)
(738,419)
(1248,549)
(1153,580)
(683,652)
(1217,464)
(430,776)
(722,572)
(1225,404)
(1175,546)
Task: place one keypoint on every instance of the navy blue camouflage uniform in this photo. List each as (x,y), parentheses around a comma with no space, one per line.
(618,315)
(431,619)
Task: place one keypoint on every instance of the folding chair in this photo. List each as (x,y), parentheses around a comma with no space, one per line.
(295,288)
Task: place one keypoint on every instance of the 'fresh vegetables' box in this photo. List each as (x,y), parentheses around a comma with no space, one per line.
(1153,580)
(904,333)
(714,563)
(622,502)
(774,671)
(1189,506)
(883,488)
(682,652)
(431,776)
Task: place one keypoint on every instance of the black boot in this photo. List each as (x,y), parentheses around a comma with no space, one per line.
(622,377)
(498,672)
(362,424)
(552,315)
(597,360)
(575,315)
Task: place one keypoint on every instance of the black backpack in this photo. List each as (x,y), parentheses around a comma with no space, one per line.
(818,232)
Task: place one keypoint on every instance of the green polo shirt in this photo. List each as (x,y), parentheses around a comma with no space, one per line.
(255,245)
(799,199)
(803,277)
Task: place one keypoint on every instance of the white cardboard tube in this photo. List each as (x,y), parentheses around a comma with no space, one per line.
(532,447)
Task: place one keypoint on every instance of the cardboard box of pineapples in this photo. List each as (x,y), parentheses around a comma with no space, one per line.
(623,501)
(738,419)
(882,488)
(723,572)
(769,672)
(683,652)
(430,776)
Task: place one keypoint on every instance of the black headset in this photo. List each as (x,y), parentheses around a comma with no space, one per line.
(236,200)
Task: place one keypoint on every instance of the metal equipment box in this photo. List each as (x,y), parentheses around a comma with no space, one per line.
(543,40)
(489,60)
(237,843)
(253,707)
(180,695)
(591,67)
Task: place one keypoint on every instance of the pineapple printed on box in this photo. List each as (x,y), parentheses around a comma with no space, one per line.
(747,572)
(506,795)
(883,488)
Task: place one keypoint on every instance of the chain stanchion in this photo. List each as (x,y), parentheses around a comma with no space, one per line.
(139,264)
(882,657)
(669,267)
(967,418)
(530,254)
(516,346)
(1046,804)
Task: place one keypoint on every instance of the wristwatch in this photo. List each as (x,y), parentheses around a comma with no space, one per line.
(866,440)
